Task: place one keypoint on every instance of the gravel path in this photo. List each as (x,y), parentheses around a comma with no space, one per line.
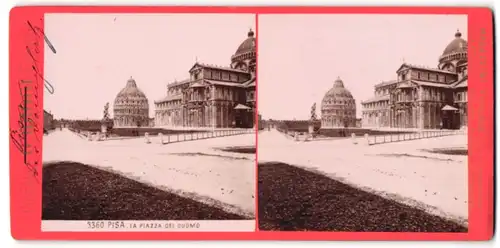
(293,199)
(74,191)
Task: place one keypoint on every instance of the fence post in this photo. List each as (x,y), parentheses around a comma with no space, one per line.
(367,139)
(168,138)
(160,135)
(146,136)
(353,138)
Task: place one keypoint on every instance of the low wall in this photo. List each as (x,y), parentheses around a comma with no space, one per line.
(383,139)
(174,138)
(347,132)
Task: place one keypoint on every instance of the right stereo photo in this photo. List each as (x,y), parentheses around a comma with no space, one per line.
(363,122)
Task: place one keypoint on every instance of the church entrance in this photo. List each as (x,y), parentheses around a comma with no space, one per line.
(241,116)
(451,117)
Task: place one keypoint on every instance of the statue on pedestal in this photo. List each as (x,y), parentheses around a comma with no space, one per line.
(313,119)
(106,123)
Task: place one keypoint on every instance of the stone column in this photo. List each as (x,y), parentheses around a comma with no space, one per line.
(428,117)
(414,117)
(421,116)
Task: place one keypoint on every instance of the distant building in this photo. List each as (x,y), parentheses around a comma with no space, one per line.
(213,96)
(48,120)
(422,97)
(338,107)
(131,107)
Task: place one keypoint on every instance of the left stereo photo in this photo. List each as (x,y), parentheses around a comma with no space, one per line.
(152,126)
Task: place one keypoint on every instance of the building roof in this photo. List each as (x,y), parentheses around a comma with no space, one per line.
(425,83)
(198,84)
(241,106)
(386,83)
(377,99)
(424,68)
(457,45)
(224,83)
(250,83)
(170,98)
(462,83)
(338,90)
(449,108)
(176,83)
(222,68)
(405,85)
(131,90)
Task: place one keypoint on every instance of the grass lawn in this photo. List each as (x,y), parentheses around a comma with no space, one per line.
(74,191)
(294,199)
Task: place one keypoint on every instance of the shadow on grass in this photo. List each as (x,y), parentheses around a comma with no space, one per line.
(463,151)
(294,199)
(239,149)
(194,154)
(74,191)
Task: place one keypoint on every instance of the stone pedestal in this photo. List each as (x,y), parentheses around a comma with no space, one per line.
(89,136)
(367,139)
(160,135)
(353,138)
(146,137)
(311,128)
(97,136)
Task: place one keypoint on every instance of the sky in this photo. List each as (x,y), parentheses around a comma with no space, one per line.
(300,56)
(98,53)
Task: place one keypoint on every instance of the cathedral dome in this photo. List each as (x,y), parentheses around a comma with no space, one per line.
(131,90)
(248,45)
(131,107)
(338,107)
(338,92)
(457,45)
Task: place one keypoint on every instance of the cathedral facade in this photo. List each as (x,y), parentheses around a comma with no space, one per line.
(213,96)
(423,97)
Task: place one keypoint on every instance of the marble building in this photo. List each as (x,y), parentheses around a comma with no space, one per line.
(338,107)
(131,107)
(213,96)
(423,97)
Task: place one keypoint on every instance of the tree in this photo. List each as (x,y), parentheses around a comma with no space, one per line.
(106,112)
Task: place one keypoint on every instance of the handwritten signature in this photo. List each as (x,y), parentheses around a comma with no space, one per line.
(28,117)
(36,48)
